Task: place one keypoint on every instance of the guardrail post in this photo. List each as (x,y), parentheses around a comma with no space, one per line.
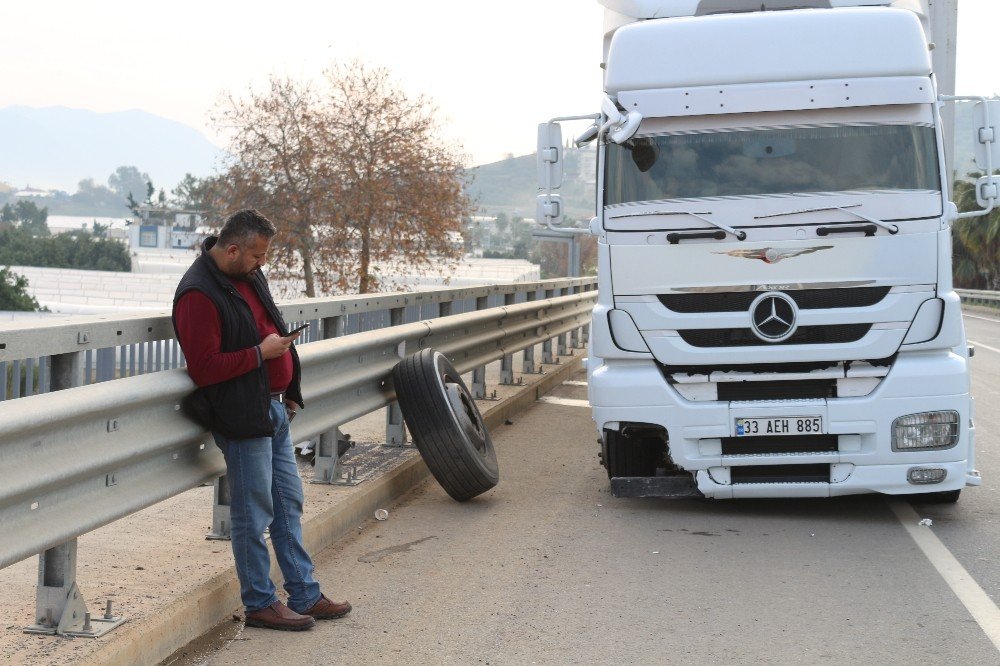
(561,349)
(547,344)
(59,605)
(479,374)
(574,334)
(66,371)
(331,447)
(332,444)
(528,365)
(507,362)
(395,429)
(222,500)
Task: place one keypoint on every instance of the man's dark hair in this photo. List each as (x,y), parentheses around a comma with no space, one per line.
(243,226)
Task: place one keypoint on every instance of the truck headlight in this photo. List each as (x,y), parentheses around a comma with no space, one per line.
(926,430)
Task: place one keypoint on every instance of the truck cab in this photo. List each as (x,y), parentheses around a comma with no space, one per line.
(776,315)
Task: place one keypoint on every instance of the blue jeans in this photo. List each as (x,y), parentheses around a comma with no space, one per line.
(266,492)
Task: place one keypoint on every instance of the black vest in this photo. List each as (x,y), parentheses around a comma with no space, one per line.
(240,407)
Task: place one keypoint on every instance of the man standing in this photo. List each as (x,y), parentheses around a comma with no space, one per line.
(241,357)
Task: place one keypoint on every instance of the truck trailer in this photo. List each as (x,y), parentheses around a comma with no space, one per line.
(776,315)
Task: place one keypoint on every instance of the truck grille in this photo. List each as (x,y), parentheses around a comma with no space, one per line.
(743,337)
(742,446)
(778,390)
(780,474)
(806,299)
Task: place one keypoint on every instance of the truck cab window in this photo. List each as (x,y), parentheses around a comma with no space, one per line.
(773,161)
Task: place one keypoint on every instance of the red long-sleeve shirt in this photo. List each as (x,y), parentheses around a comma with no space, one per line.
(200,333)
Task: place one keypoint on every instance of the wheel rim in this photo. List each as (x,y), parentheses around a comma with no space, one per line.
(464,410)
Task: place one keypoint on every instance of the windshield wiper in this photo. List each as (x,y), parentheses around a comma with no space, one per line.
(740,235)
(891,228)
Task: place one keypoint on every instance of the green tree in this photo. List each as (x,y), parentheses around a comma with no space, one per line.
(976,242)
(93,195)
(128,180)
(27,215)
(78,250)
(14,292)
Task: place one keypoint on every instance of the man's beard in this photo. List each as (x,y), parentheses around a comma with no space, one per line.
(248,276)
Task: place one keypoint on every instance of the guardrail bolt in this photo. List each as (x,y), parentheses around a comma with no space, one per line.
(107,611)
(86,622)
(49,622)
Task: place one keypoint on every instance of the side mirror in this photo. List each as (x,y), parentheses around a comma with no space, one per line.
(548,208)
(987,134)
(549,156)
(988,191)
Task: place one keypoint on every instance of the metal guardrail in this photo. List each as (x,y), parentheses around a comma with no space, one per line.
(979,296)
(75,459)
(115,347)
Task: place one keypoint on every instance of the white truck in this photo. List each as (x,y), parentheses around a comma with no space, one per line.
(776,315)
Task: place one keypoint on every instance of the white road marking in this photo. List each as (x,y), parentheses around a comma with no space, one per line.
(566,402)
(980,344)
(571,382)
(995,321)
(976,601)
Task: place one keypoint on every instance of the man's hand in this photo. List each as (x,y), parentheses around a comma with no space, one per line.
(274,346)
(291,409)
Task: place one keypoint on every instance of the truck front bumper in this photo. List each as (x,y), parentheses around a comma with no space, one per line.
(635,391)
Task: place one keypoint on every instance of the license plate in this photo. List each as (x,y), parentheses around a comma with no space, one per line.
(781,425)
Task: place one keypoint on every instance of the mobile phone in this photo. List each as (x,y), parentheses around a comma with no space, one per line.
(300,328)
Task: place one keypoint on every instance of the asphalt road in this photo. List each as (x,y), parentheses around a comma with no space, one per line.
(549,568)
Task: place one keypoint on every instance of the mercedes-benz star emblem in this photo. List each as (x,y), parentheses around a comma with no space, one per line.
(772,316)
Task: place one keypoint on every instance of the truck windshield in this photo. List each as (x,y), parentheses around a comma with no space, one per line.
(772,161)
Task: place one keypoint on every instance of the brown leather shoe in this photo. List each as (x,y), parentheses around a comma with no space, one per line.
(279,616)
(324,609)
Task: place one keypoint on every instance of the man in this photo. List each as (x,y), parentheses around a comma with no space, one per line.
(241,357)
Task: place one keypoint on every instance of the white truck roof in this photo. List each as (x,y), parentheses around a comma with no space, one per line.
(618,13)
(759,47)
(650,9)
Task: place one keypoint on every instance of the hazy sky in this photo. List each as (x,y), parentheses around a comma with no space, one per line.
(495,69)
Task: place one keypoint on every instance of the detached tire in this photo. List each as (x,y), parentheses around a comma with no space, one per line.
(446,424)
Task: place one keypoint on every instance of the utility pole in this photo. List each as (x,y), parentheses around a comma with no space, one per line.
(942,16)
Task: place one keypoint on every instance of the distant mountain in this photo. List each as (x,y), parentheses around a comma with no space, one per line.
(509,186)
(57,147)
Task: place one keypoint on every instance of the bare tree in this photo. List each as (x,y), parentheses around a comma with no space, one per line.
(353,173)
(279,159)
(399,186)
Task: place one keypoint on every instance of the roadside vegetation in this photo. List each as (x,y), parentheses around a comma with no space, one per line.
(25,240)
(14,292)
(976,242)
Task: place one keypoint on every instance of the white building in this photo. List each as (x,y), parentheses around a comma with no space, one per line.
(165,228)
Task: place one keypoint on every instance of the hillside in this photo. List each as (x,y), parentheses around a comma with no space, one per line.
(57,147)
(509,187)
